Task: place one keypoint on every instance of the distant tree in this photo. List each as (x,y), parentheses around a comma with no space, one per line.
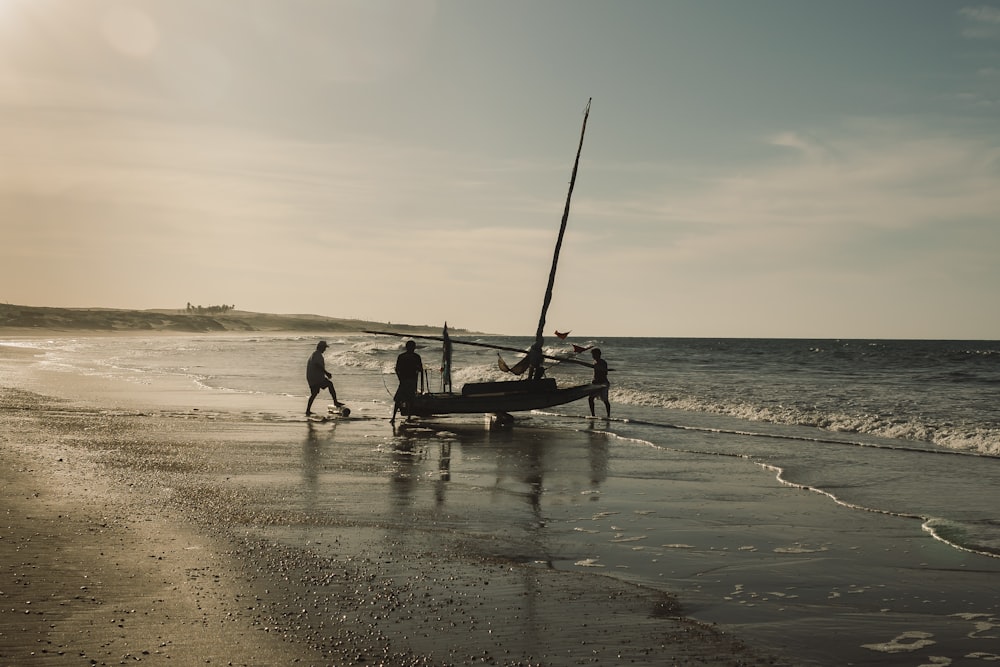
(201,310)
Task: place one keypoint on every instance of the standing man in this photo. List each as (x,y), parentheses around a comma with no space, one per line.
(409,367)
(318,377)
(600,377)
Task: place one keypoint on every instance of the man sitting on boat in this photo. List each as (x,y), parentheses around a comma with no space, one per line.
(535,358)
(409,367)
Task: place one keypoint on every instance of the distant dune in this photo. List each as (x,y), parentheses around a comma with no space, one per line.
(14,319)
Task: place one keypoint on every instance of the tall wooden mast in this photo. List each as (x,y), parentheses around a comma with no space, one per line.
(562,231)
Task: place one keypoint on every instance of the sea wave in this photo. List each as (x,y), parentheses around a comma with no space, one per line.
(960,437)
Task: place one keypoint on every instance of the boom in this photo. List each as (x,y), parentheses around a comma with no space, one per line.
(477,344)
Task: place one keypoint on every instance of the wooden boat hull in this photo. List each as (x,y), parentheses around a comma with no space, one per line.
(498,398)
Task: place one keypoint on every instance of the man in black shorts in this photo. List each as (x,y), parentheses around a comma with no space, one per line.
(600,377)
(318,377)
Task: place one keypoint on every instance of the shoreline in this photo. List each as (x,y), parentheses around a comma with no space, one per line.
(175,565)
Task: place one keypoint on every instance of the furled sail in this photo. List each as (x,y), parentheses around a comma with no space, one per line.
(446,360)
(516,369)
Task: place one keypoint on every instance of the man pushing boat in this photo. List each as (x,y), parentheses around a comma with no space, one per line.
(409,367)
(600,377)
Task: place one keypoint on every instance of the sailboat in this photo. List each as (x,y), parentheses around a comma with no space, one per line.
(501,398)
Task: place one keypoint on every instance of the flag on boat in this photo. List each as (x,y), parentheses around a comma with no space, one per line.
(446,360)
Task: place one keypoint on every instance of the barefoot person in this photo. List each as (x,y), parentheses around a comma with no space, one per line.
(318,377)
(409,367)
(600,377)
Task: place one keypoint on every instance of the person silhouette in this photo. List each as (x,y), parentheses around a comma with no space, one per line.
(600,377)
(318,377)
(535,358)
(409,367)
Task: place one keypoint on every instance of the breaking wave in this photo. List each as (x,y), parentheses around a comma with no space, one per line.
(957,436)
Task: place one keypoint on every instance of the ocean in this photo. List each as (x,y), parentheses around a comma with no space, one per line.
(823,413)
(901,437)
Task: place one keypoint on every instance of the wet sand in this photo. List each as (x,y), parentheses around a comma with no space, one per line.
(167,535)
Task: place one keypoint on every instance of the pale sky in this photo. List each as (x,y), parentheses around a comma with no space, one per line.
(774,168)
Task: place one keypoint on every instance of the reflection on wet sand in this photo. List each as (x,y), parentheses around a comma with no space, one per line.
(316,441)
(465,525)
(480,476)
(520,463)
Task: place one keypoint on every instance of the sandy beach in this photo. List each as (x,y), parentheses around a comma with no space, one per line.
(191,536)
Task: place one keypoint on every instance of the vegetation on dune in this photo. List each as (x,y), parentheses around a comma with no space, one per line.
(192,319)
(211,310)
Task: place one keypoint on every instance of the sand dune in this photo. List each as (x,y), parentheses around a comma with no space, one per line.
(14,317)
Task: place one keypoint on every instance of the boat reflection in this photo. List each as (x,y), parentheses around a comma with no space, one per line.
(507,496)
(466,459)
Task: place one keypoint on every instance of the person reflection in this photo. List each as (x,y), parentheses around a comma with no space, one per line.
(598,455)
(444,473)
(403,479)
(312,455)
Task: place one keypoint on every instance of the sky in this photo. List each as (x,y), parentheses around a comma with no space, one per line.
(774,168)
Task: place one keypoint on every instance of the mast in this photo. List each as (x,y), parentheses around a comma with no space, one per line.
(562,231)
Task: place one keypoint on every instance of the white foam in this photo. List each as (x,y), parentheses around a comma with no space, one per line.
(959,437)
(910,641)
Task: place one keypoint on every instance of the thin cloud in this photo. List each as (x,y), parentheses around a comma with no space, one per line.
(872,200)
(981,22)
(982,14)
(867,173)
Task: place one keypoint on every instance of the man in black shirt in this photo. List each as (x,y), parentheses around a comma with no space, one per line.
(409,367)
(318,377)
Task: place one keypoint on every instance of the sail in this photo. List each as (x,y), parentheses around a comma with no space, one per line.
(516,369)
